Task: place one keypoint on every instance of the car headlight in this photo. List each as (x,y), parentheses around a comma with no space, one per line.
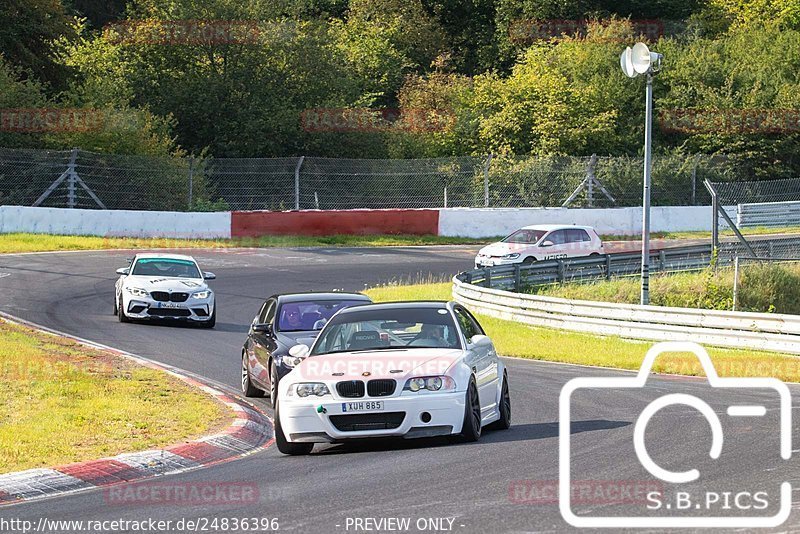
(513,256)
(137,292)
(430,383)
(291,361)
(307,389)
(201,294)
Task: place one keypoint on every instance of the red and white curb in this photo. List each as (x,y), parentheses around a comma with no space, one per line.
(250,432)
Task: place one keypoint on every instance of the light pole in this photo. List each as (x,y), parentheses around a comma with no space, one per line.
(635,61)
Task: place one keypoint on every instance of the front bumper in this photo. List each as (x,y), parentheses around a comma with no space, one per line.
(494,261)
(304,421)
(197,310)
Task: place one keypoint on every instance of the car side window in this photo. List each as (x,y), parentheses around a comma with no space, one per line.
(558,237)
(273,307)
(267,312)
(469,325)
(577,236)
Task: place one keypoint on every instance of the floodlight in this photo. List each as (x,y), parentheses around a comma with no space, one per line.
(644,60)
(626,62)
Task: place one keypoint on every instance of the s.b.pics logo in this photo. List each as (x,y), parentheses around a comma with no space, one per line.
(718,447)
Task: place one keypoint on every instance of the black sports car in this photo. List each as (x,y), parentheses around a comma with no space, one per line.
(283,322)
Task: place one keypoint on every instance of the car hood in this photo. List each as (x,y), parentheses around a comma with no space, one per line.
(156,283)
(298,338)
(501,249)
(399,364)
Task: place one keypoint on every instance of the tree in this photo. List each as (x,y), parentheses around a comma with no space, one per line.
(28,29)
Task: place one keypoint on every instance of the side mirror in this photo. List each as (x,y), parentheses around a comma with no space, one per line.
(299,351)
(479,340)
(263,328)
(547,243)
(209,276)
(124,271)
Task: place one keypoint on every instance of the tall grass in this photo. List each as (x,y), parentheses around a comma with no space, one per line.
(766,287)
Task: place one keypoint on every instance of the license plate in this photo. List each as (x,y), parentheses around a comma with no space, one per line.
(168,305)
(365,406)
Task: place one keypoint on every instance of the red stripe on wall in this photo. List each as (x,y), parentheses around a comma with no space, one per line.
(332,222)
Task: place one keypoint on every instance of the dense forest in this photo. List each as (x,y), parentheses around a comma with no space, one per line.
(403,78)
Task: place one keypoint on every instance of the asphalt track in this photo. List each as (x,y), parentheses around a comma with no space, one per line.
(502,483)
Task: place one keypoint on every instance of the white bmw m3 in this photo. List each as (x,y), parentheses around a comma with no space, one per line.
(165,286)
(404,369)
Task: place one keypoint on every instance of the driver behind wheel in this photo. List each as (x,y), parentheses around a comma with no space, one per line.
(431,335)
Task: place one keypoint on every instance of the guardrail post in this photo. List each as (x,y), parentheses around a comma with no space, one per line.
(468,278)
(191,180)
(71,180)
(297,183)
(608,266)
(694,179)
(486,181)
(662,260)
(487,278)
(517,278)
(561,271)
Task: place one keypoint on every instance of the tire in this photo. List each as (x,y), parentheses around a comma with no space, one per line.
(248,389)
(273,383)
(504,423)
(286,447)
(529,260)
(211,322)
(471,428)
(121,313)
(116,306)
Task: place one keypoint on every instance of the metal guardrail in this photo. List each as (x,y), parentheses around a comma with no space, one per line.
(670,260)
(768,214)
(485,291)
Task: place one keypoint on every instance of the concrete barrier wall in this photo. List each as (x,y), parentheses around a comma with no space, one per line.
(489,222)
(462,222)
(114,223)
(332,222)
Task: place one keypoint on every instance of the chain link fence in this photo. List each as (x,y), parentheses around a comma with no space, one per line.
(82,179)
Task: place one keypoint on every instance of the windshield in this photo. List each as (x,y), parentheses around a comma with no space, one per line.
(387,329)
(525,236)
(310,315)
(167,267)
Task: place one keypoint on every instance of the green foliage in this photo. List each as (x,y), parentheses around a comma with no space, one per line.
(27,30)
(454,63)
(770,288)
(783,13)
(737,71)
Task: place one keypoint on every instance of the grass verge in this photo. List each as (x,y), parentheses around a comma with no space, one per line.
(765,288)
(723,232)
(42,243)
(62,402)
(514,339)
